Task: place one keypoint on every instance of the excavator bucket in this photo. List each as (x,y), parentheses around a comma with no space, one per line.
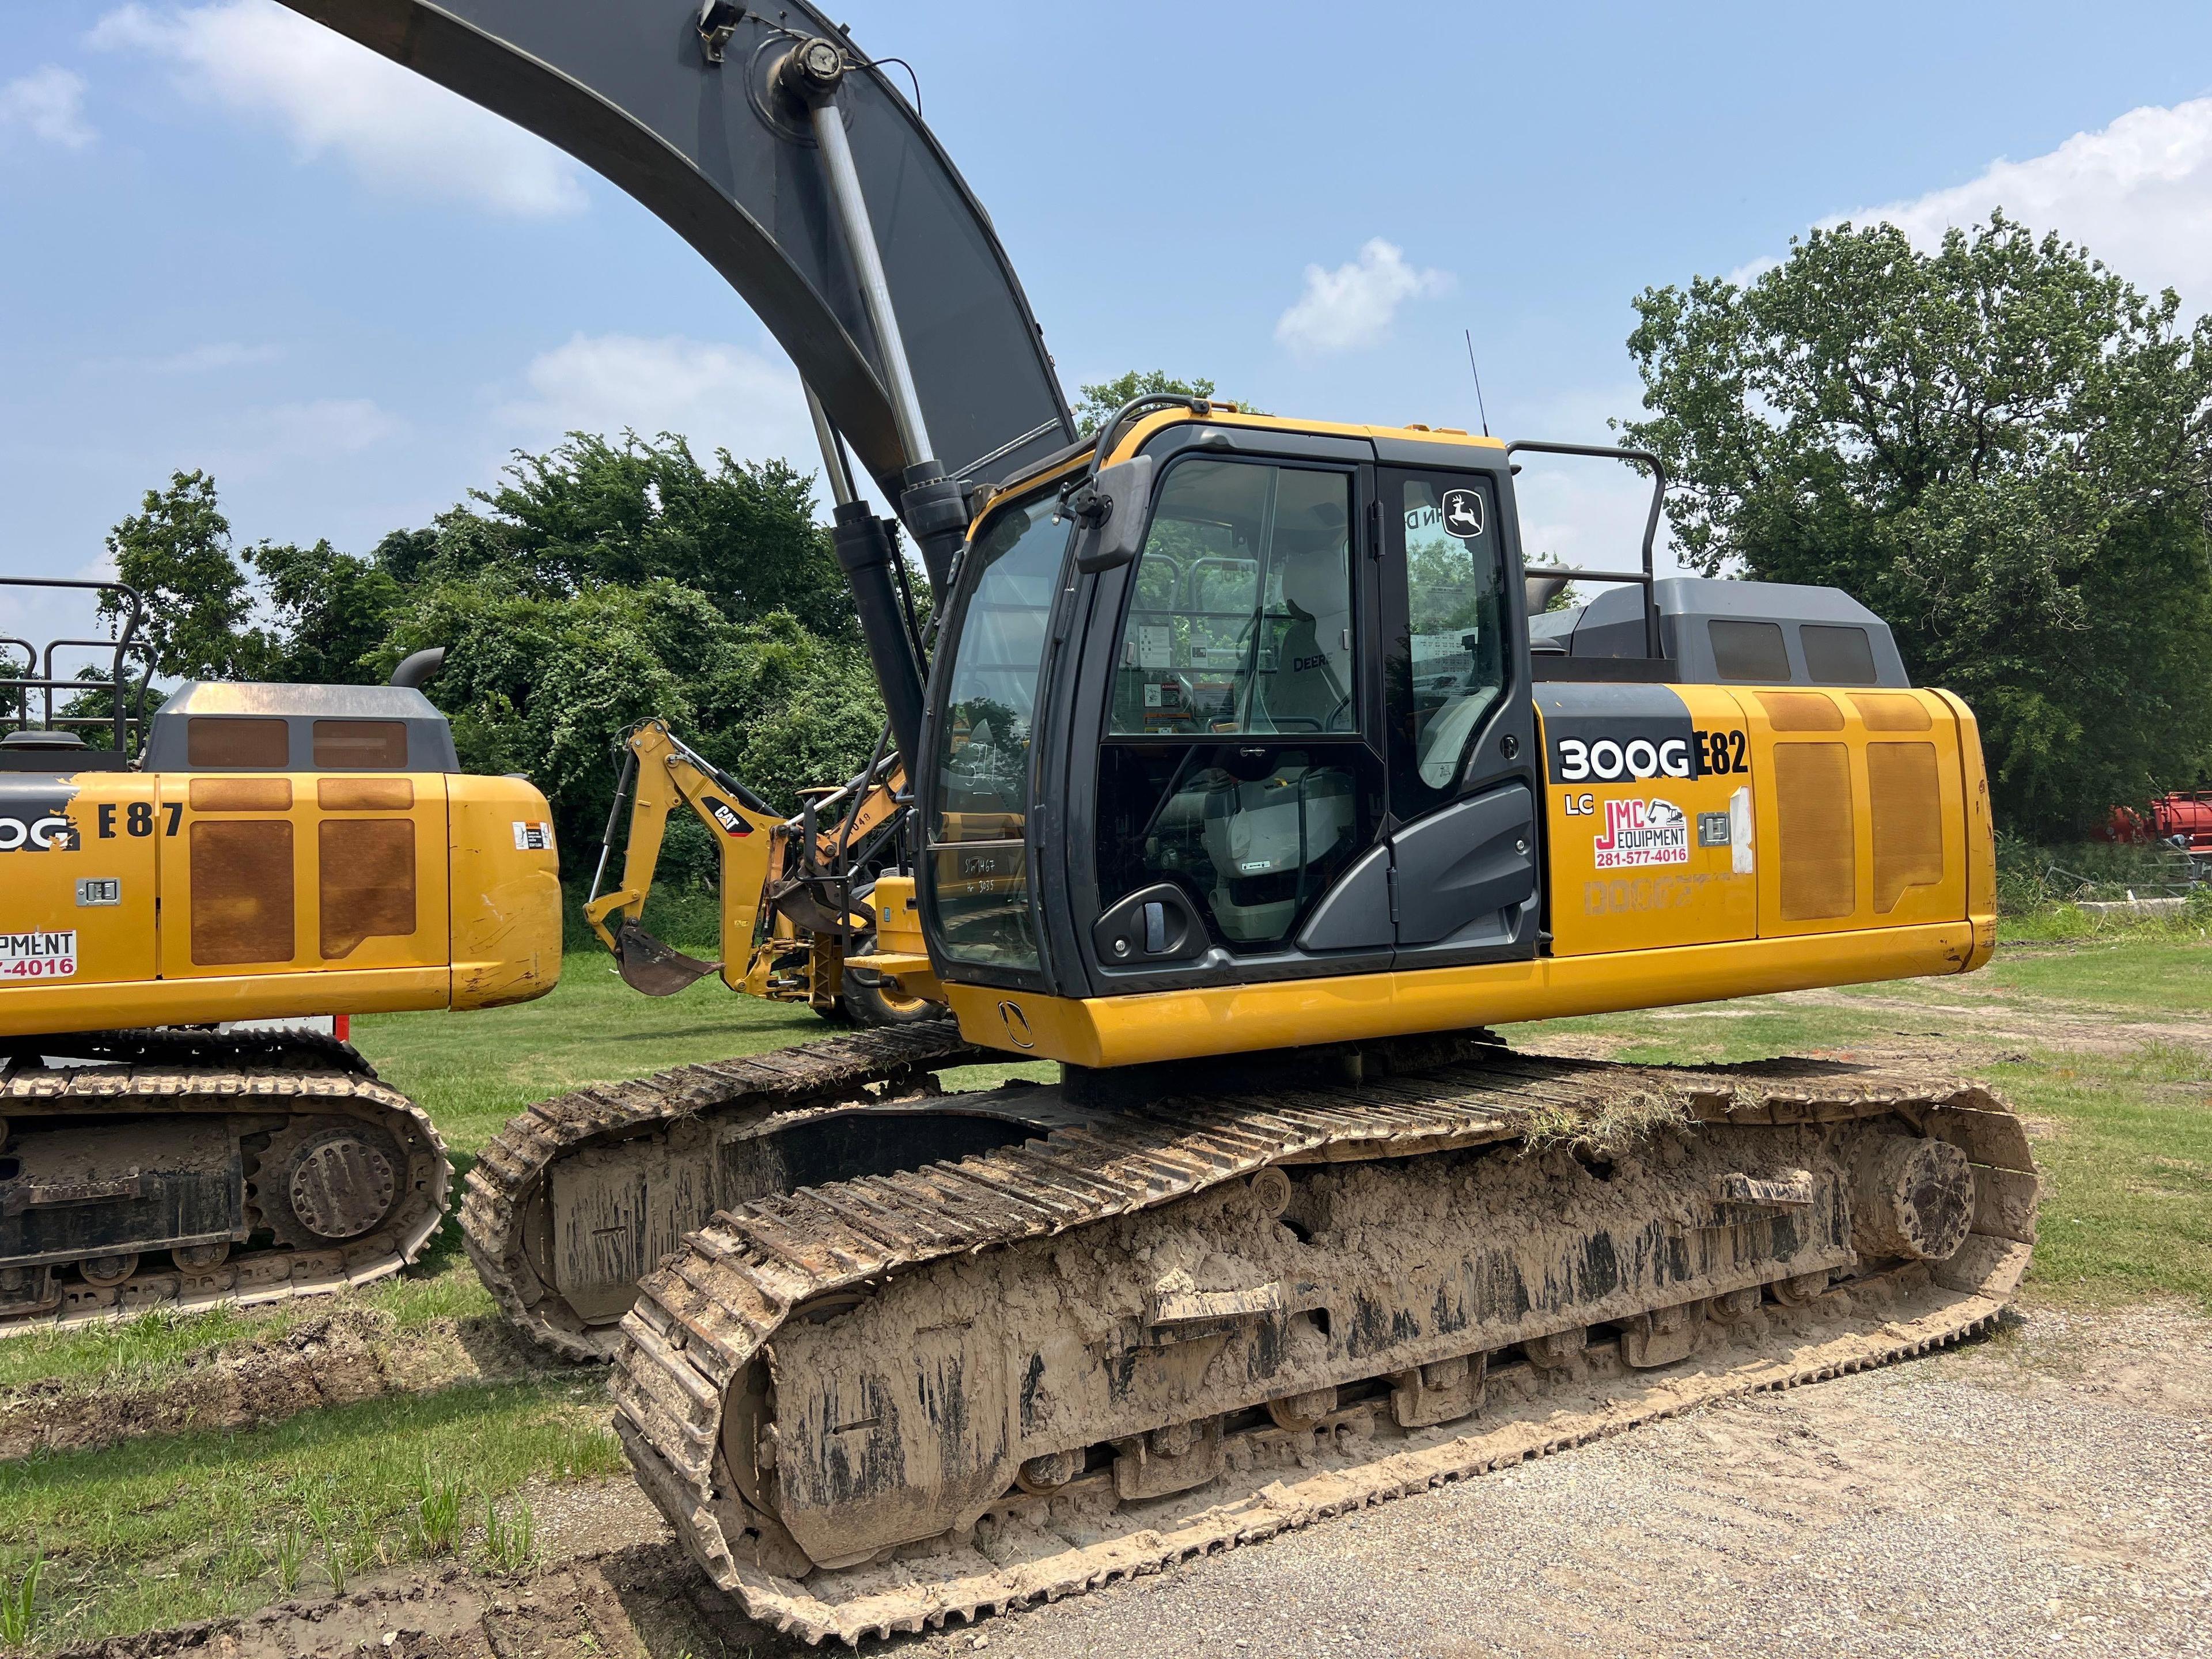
(659,970)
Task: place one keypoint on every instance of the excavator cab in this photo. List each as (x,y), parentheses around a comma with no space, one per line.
(1321,643)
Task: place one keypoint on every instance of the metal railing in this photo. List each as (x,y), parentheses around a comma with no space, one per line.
(39,678)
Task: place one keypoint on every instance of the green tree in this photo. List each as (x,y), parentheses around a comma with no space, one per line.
(591,513)
(2002,448)
(198,599)
(545,684)
(1097,402)
(332,610)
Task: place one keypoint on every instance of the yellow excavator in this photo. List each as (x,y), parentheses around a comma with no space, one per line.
(796,922)
(1248,788)
(187,904)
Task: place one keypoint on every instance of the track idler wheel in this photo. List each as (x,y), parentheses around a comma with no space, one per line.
(1911,1196)
(328,1181)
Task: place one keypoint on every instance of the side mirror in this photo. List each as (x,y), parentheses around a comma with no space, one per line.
(1110,514)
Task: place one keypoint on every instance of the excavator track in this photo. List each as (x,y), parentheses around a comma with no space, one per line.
(333,1177)
(578,1198)
(877,1405)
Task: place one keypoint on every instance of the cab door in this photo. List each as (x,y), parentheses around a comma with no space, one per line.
(1461,732)
(1239,772)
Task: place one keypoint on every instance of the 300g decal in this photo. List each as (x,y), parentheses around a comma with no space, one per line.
(1703,754)
(1606,760)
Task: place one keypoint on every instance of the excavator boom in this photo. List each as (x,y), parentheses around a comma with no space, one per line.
(678,105)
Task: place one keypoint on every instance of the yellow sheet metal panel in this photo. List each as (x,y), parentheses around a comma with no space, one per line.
(1650,846)
(1904,801)
(1239,1018)
(1856,827)
(1980,849)
(506,879)
(1815,841)
(302,874)
(78,881)
(247,994)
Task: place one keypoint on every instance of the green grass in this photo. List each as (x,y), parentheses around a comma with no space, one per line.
(161,1531)
(477,1070)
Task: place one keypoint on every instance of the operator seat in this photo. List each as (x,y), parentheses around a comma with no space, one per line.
(1309,687)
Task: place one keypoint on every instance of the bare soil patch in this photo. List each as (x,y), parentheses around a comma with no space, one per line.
(335,1359)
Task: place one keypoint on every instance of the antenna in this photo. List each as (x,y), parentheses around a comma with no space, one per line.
(1478,381)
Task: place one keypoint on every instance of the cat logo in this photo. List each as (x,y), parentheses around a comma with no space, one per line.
(727,816)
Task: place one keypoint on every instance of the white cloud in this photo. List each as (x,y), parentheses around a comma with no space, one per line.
(216,355)
(715,394)
(48,103)
(297,437)
(399,133)
(1752,270)
(332,426)
(1352,307)
(2137,194)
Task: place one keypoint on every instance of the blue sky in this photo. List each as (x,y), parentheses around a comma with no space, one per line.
(234,242)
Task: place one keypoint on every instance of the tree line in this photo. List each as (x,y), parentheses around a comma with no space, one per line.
(598,584)
(2000,446)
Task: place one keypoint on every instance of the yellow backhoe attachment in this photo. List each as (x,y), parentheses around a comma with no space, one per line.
(790,915)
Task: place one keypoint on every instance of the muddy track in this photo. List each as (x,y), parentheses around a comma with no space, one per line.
(695,1333)
(271,1087)
(506,1189)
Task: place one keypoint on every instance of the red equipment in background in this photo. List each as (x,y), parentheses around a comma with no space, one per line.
(2183,819)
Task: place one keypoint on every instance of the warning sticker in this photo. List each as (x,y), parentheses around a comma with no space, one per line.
(533,837)
(1642,832)
(39,956)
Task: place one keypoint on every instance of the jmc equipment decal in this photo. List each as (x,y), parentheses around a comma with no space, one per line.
(39,956)
(1639,833)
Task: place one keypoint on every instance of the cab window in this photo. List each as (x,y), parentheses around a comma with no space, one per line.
(1233,765)
(978,852)
(1449,666)
(1240,621)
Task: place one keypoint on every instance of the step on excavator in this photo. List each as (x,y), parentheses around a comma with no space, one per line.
(1248,790)
(174,899)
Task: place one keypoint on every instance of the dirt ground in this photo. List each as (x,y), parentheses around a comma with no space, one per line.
(2044,1490)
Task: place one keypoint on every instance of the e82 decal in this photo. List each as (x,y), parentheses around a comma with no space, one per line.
(1702,754)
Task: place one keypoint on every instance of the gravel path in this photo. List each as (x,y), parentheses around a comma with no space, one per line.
(2047,1492)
